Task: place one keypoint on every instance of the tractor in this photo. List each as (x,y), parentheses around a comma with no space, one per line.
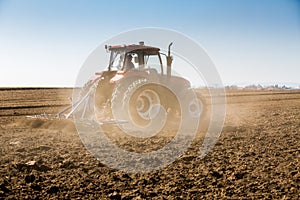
(137,91)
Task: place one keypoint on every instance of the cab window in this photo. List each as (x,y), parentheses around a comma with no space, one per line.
(116,60)
(153,61)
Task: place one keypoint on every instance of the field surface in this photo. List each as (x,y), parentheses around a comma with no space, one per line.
(256,157)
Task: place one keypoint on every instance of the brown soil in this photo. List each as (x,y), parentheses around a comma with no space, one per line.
(257,155)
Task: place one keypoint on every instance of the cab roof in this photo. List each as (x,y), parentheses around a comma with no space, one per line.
(133,48)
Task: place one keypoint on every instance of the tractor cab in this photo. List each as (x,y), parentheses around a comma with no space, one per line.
(135,57)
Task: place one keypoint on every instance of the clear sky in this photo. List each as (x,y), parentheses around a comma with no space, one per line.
(44,43)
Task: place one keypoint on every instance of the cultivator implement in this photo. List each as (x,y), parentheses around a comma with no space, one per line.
(84,104)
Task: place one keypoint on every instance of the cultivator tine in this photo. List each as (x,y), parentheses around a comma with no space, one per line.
(42,116)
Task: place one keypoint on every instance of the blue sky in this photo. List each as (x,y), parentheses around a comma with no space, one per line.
(44,43)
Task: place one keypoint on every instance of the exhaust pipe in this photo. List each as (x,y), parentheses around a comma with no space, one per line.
(169,60)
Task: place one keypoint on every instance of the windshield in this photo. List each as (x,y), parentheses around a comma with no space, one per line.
(116,60)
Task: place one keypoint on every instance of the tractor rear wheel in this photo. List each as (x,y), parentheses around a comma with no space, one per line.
(144,104)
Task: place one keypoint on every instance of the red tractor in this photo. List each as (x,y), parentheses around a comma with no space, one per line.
(139,90)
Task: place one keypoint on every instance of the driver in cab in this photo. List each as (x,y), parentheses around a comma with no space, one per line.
(128,63)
